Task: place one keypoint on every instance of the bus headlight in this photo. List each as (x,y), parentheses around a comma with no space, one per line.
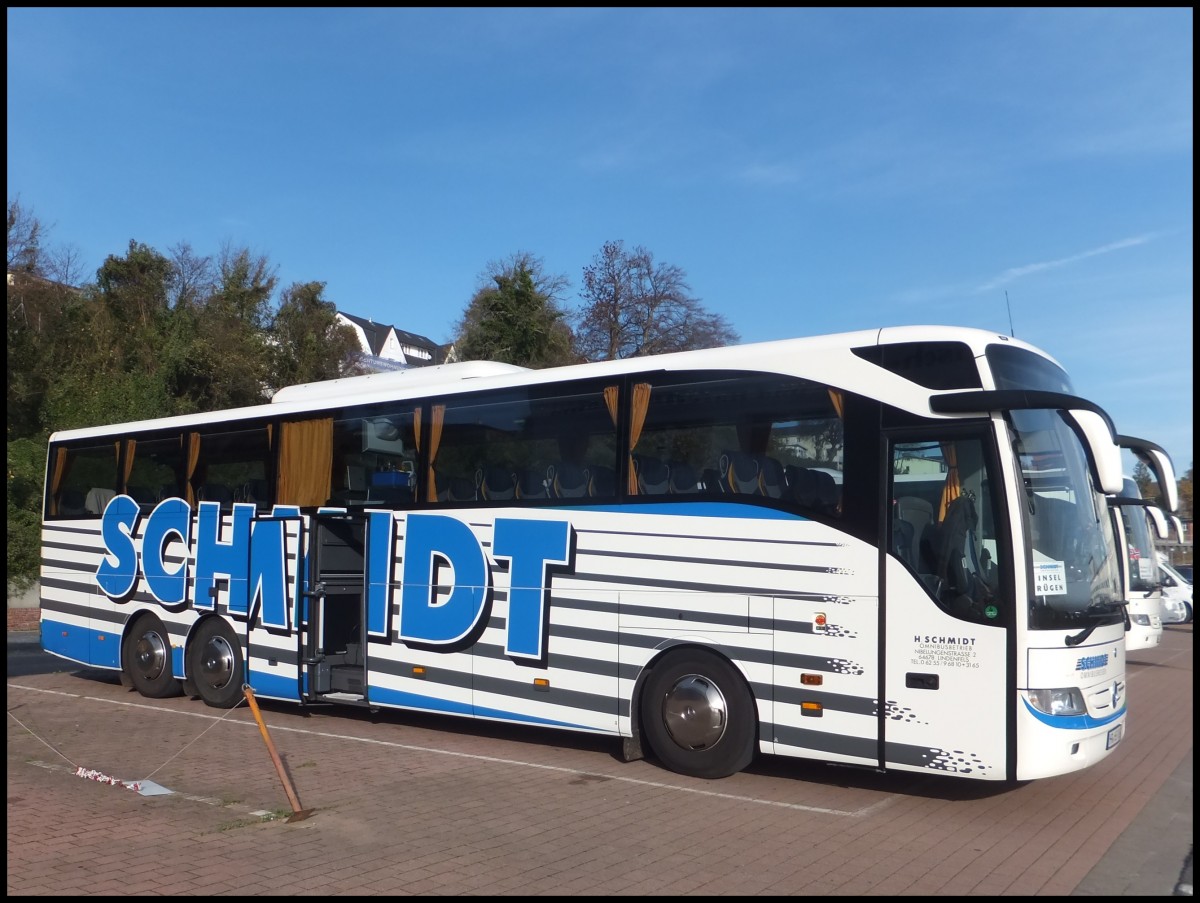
(1140,620)
(1061,701)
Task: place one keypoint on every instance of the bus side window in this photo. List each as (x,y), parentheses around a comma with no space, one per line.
(82,479)
(942,525)
(228,462)
(510,445)
(71,503)
(373,460)
(917,515)
(151,467)
(97,498)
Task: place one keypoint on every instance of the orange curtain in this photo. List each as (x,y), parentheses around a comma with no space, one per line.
(56,478)
(641,404)
(305,462)
(612,397)
(436,419)
(953,486)
(417,445)
(193,458)
(130,446)
(838,405)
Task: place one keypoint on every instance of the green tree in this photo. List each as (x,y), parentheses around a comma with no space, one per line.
(41,318)
(152,335)
(43,314)
(110,366)
(634,307)
(310,344)
(23,508)
(516,317)
(217,344)
(135,289)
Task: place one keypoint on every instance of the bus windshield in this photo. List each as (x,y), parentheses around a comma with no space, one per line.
(1143,575)
(1076,575)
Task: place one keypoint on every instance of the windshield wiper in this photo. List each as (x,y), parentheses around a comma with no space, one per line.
(1098,613)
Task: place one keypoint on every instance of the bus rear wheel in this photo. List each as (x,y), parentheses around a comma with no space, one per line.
(146,659)
(698,715)
(214,661)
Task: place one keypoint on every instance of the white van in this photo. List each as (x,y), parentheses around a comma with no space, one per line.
(1177,595)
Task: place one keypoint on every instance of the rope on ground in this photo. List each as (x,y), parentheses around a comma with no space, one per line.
(229,712)
(92,774)
(45,743)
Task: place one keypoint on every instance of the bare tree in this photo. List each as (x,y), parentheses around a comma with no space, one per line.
(24,239)
(634,307)
(64,264)
(27,254)
(194,280)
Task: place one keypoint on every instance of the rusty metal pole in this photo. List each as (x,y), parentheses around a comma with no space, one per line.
(298,814)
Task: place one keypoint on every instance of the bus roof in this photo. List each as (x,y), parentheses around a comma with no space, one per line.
(828,358)
(393,381)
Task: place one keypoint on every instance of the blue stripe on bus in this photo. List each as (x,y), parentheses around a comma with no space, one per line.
(82,644)
(739,510)
(275,686)
(529,719)
(1072,722)
(382,696)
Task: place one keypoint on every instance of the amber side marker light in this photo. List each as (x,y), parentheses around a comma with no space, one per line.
(540,683)
(811,709)
(812,680)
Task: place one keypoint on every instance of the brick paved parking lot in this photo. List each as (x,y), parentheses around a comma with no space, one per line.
(406,804)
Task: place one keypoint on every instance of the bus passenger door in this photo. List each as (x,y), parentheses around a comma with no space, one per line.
(946,676)
(332,630)
(276,600)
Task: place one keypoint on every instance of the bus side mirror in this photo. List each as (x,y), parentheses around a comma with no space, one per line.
(1106,454)
(1161,529)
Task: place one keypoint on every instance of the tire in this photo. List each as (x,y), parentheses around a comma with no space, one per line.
(146,659)
(215,664)
(698,716)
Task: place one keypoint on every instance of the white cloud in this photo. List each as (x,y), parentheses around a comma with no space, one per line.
(1015,273)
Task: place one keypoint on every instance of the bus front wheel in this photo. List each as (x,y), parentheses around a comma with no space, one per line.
(698,715)
(146,659)
(215,664)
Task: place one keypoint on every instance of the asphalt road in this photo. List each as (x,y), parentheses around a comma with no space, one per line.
(420,805)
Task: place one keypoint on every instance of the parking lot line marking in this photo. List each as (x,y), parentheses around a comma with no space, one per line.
(389,744)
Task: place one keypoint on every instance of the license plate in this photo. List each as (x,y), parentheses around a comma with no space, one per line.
(1114,736)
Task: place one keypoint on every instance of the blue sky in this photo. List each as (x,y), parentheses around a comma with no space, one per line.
(810,171)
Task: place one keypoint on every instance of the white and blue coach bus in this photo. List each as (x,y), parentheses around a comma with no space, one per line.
(888,548)
(1132,519)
